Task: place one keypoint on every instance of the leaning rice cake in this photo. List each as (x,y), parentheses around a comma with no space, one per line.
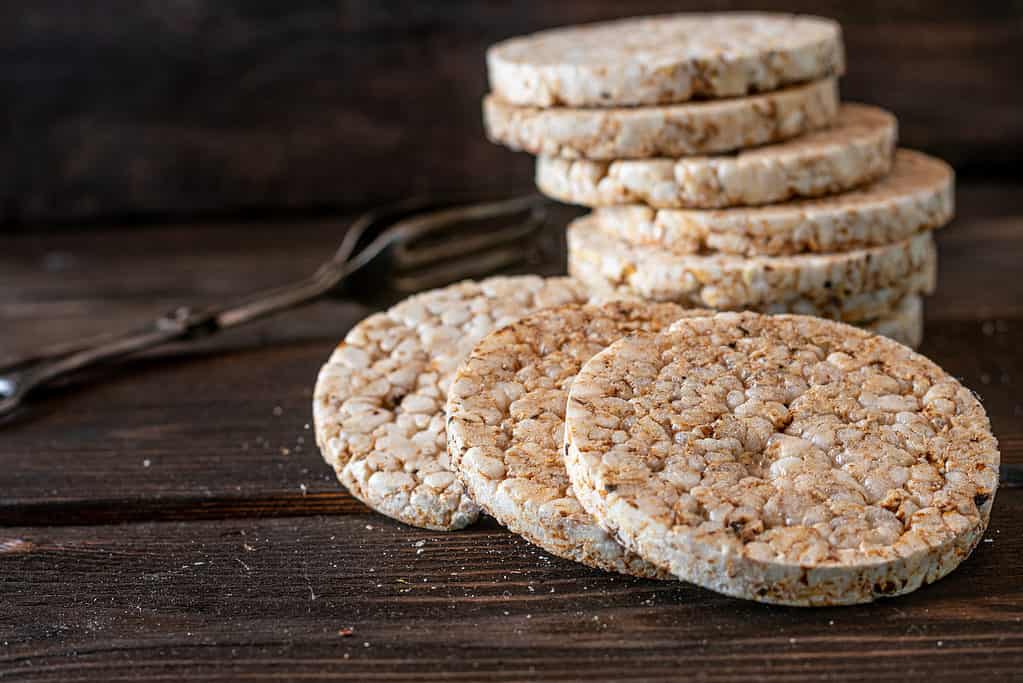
(378,404)
(506,409)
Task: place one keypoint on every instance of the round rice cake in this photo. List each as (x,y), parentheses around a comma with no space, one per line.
(857,149)
(378,404)
(902,321)
(710,127)
(662,59)
(918,195)
(858,309)
(784,459)
(506,410)
(839,281)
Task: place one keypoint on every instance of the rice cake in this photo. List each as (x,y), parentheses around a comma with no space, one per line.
(662,59)
(378,404)
(917,196)
(767,283)
(506,410)
(901,321)
(783,459)
(904,323)
(858,309)
(857,149)
(711,127)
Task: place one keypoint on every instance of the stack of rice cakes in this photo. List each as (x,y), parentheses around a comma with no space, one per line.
(721,168)
(617,419)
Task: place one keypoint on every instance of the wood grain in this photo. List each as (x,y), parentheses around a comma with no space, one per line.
(223,434)
(266,599)
(224,107)
(219,431)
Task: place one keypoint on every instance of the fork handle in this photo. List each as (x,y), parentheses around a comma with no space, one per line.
(21,377)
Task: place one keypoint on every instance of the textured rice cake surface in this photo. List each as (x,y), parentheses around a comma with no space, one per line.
(709,127)
(379,400)
(918,195)
(506,410)
(767,283)
(859,309)
(784,459)
(856,149)
(901,321)
(661,59)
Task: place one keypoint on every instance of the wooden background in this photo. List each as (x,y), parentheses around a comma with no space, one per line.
(132,110)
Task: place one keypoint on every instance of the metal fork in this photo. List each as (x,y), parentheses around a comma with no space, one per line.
(386,254)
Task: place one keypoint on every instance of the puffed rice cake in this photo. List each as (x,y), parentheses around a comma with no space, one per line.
(882,312)
(378,404)
(857,309)
(918,195)
(709,127)
(856,149)
(904,323)
(661,59)
(506,409)
(783,459)
(838,285)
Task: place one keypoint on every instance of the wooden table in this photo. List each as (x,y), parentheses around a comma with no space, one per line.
(176,521)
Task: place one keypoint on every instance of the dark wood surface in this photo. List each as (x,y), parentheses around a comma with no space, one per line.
(125,108)
(261,599)
(175,520)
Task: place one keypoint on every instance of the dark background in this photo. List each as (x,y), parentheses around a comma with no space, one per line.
(128,111)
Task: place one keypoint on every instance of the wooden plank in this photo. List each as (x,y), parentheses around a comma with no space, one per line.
(266,599)
(130,108)
(205,420)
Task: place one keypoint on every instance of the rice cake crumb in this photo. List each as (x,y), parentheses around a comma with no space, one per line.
(783,459)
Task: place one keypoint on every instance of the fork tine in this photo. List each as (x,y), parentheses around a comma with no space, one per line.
(432,247)
(439,218)
(408,255)
(369,224)
(480,265)
(422,214)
